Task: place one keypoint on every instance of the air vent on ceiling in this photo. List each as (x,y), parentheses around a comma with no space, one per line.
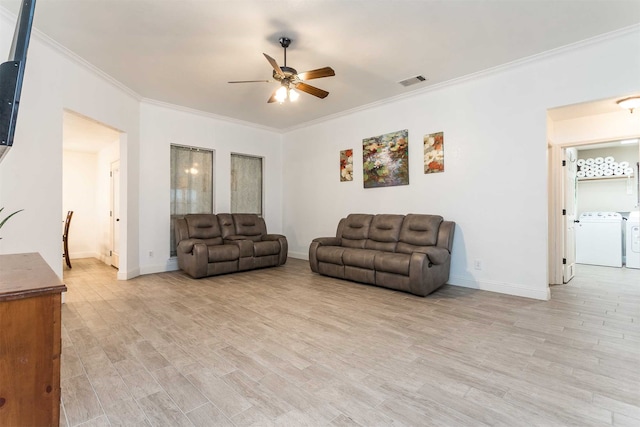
(412,80)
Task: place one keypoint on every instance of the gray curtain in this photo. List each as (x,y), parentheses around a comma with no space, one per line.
(191,184)
(246,184)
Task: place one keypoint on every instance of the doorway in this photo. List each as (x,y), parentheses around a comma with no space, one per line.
(600,191)
(90,151)
(598,125)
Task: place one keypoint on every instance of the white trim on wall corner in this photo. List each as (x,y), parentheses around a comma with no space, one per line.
(502,288)
(126,275)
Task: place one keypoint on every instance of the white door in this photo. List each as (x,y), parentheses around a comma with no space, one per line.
(569,169)
(115,213)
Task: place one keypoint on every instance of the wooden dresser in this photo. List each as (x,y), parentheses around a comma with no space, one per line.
(30,298)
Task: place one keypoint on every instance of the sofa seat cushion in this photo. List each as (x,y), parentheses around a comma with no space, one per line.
(330,254)
(266,248)
(393,263)
(221,253)
(363,258)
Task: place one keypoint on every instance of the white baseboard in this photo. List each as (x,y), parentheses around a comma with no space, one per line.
(78,255)
(126,275)
(299,255)
(500,287)
(170,265)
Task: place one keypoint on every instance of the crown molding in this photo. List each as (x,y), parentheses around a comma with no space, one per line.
(48,41)
(208,115)
(475,76)
(466,78)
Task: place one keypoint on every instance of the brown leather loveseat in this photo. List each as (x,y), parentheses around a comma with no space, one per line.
(210,244)
(409,253)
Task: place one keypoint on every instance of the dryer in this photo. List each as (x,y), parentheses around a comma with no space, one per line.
(599,239)
(633,240)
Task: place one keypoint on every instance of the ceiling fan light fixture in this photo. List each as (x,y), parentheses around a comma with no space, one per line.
(293,95)
(281,94)
(630,103)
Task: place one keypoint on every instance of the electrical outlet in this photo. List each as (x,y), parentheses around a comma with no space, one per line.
(477,264)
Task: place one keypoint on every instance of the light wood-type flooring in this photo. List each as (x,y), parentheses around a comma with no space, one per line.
(284,346)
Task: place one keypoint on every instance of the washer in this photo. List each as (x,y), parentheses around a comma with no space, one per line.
(599,239)
(633,240)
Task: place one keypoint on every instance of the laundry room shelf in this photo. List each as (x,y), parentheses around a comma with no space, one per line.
(600,178)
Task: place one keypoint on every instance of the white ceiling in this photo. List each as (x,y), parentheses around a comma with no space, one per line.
(183,52)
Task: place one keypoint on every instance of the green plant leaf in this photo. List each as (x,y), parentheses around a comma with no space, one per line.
(7,218)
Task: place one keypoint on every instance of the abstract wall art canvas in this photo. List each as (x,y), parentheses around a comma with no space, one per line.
(346,165)
(434,153)
(385,160)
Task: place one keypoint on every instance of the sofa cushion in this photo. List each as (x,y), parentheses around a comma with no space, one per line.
(418,230)
(393,263)
(359,257)
(330,254)
(355,230)
(250,225)
(266,248)
(384,232)
(203,226)
(221,253)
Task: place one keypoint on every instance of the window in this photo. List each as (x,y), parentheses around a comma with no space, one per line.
(246,184)
(191,184)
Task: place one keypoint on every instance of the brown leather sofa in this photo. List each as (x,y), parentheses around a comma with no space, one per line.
(210,244)
(409,253)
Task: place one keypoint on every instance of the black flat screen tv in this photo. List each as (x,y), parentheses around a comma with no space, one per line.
(12,74)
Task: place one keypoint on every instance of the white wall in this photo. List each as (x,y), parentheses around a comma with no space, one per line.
(495,180)
(610,195)
(162,126)
(31,174)
(79,194)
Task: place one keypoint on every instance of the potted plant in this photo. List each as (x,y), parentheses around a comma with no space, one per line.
(7,218)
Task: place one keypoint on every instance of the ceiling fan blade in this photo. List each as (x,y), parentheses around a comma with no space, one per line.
(317,74)
(312,90)
(275,65)
(249,81)
(272,98)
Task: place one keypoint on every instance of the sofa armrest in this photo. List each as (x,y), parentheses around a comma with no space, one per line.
(272,237)
(186,246)
(436,255)
(315,244)
(193,257)
(328,241)
(425,274)
(284,245)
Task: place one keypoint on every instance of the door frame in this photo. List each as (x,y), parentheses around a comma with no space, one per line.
(114,198)
(556,183)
